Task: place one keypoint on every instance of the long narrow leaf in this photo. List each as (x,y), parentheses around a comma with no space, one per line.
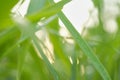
(23,48)
(86,49)
(84,46)
(35,42)
(46,12)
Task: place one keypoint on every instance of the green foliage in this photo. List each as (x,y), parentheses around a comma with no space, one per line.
(5,8)
(27,56)
(35,5)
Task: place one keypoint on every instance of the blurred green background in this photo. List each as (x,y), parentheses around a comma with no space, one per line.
(32,47)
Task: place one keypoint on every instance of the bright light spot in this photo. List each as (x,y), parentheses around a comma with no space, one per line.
(78,61)
(93,19)
(24,7)
(63,32)
(21,8)
(41,34)
(82,70)
(57,0)
(111,26)
(71,60)
(47,48)
(77,11)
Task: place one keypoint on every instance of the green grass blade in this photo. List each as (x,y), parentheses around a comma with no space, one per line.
(84,46)
(86,49)
(74,66)
(22,52)
(35,5)
(53,71)
(41,67)
(58,46)
(46,12)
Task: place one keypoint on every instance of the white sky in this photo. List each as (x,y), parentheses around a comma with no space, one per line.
(77,11)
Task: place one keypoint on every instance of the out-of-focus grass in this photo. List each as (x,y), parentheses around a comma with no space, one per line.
(25,56)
